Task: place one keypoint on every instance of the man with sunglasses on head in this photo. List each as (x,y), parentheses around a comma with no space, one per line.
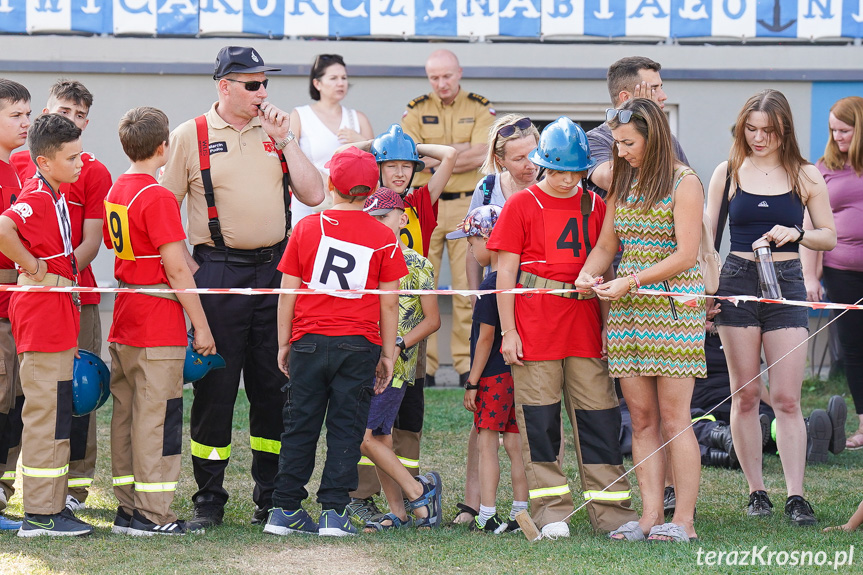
(630,77)
(233,165)
(451,116)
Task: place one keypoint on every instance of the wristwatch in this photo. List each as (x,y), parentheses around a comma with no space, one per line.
(799,229)
(469,387)
(288,139)
(400,341)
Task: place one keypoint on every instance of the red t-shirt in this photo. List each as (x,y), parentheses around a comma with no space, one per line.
(46,322)
(422,220)
(551,327)
(140,216)
(10,189)
(354,251)
(85,198)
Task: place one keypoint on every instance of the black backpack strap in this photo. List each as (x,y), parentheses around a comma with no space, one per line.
(723,210)
(487,187)
(586,209)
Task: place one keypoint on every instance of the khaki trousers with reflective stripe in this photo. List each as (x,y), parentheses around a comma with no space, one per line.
(82,459)
(585,386)
(146,427)
(11,400)
(46,379)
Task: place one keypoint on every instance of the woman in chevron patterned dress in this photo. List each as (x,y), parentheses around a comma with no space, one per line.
(655,343)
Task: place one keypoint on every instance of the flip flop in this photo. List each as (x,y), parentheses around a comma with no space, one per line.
(855,442)
(674,533)
(630,530)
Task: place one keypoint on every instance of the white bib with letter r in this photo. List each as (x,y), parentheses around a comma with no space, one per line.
(341,265)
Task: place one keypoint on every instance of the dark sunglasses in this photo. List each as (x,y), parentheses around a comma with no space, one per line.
(509,129)
(252,86)
(623,116)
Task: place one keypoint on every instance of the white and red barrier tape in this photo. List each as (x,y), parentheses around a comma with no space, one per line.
(685,299)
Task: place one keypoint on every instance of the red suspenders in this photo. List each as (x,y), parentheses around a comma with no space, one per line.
(213,213)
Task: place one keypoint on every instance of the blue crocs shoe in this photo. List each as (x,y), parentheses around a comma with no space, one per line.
(332,524)
(431,499)
(283,522)
(8,524)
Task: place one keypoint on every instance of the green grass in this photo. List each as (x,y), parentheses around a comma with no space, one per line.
(237,547)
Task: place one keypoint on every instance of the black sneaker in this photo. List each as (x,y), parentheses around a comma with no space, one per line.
(492,525)
(364,510)
(799,511)
(838,412)
(759,504)
(63,524)
(122,520)
(720,439)
(259,515)
(207,514)
(143,527)
(818,432)
(669,502)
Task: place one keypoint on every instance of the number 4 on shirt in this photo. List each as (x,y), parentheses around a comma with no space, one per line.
(563,243)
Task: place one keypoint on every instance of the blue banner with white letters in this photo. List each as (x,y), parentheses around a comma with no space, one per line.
(732,19)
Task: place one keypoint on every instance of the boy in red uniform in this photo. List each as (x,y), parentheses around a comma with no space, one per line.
(14,121)
(398,160)
(554,343)
(333,347)
(85,197)
(36,234)
(148,336)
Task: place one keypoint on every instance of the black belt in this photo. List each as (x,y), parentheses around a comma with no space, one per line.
(454,195)
(235,256)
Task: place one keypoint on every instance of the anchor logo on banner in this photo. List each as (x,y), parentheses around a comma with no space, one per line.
(777,26)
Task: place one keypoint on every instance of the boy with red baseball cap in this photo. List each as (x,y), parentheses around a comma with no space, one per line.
(337,349)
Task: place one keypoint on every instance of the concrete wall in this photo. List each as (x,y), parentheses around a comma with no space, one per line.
(706,85)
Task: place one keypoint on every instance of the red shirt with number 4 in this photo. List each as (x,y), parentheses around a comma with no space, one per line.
(141,216)
(546,232)
(341,249)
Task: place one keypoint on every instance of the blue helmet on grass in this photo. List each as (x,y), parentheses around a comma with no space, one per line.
(91,383)
(197,366)
(563,147)
(394,144)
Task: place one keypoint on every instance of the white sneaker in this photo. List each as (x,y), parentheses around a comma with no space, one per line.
(73,504)
(555,530)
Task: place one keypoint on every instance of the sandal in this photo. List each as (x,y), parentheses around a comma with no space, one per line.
(631,531)
(667,533)
(395,522)
(430,499)
(463,508)
(855,442)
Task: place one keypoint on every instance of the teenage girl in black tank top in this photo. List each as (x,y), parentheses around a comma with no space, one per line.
(771,183)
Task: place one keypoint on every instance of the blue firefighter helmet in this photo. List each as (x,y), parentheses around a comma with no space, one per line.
(91,383)
(197,365)
(394,144)
(563,147)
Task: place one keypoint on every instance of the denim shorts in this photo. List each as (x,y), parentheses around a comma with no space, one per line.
(739,276)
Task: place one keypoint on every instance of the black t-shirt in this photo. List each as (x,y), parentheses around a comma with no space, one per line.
(485,311)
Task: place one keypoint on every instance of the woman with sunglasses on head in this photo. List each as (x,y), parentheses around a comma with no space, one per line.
(842,268)
(324,125)
(655,344)
(511,139)
(769,185)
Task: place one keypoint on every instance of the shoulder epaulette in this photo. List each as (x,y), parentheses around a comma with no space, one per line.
(481,99)
(417,100)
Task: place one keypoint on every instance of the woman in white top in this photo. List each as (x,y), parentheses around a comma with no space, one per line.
(325,124)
